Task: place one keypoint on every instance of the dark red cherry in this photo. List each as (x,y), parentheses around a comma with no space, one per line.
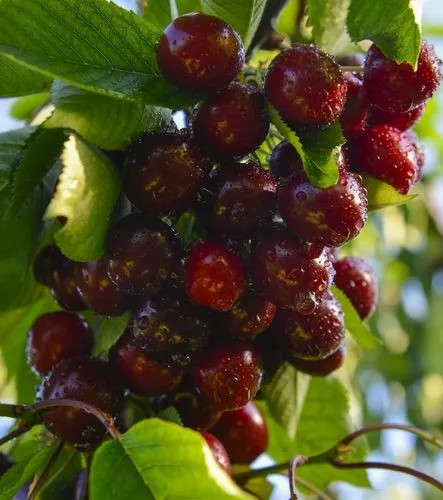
(55,336)
(386,153)
(356,111)
(357,279)
(232,122)
(321,367)
(169,328)
(141,254)
(350,59)
(329,217)
(218,450)
(228,375)
(98,291)
(285,161)
(90,381)
(306,86)
(195,411)
(142,374)
(248,317)
(311,337)
(164,172)
(397,87)
(284,275)
(401,121)
(215,276)
(243,432)
(47,260)
(244,201)
(200,53)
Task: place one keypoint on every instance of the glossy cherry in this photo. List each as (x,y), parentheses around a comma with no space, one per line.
(86,380)
(141,254)
(356,111)
(321,367)
(306,86)
(200,53)
(195,411)
(232,122)
(401,121)
(55,336)
(285,161)
(227,375)
(215,276)
(357,279)
(218,450)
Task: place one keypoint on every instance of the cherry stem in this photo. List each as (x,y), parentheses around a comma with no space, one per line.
(296,461)
(42,478)
(352,69)
(103,417)
(393,467)
(21,429)
(426,436)
(13,411)
(311,487)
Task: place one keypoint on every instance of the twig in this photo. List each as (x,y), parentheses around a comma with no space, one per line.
(293,464)
(311,487)
(42,478)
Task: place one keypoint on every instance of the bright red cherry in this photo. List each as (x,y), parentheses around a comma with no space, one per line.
(228,375)
(356,111)
(243,432)
(397,87)
(218,450)
(215,276)
(200,53)
(232,122)
(321,367)
(55,336)
(401,121)
(306,86)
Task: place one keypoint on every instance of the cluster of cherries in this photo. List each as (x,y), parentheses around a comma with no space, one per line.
(208,322)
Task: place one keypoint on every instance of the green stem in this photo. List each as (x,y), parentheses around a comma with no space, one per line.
(311,487)
(244,477)
(295,462)
(13,411)
(21,429)
(43,476)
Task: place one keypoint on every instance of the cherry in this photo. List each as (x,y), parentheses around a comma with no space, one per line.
(55,336)
(285,161)
(227,375)
(47,260)
(243,432)
(401,121)
(248,317)
(169,328)
(357,279)
(397,87)
(232,122)
(86,380)
(306,86)
(142,374)
(314,336)
(244,201)
(200,53)
(284,275)
(98,291)
(356,111)
(215,276)
(350,59)
(329,217)
(164,172)
(141,253)
(418,151)
(321,367)
(218,450)
(386,153)
(194,411)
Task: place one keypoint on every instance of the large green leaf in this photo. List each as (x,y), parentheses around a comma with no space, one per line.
(394,26)
(159,13)
(317,149)
(158,459)
(87,191)
(285,395)
(324,420)
(94,45)
(328,21)
(17,80)
(107,122)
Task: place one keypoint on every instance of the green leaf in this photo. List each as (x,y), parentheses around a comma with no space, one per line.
(22,472)
(24,107)
(243,15)
(17,80)
(86,193)
(262,58)
(394,26)
(258,486)
(324,420)
(157,459)
(110,331)
(159,13)
(94,45)
(286,20)
(284,396)
(170,414)
(188,228)
(107,122)
(355,326)
(317,149)
(383,195)
(328,21)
